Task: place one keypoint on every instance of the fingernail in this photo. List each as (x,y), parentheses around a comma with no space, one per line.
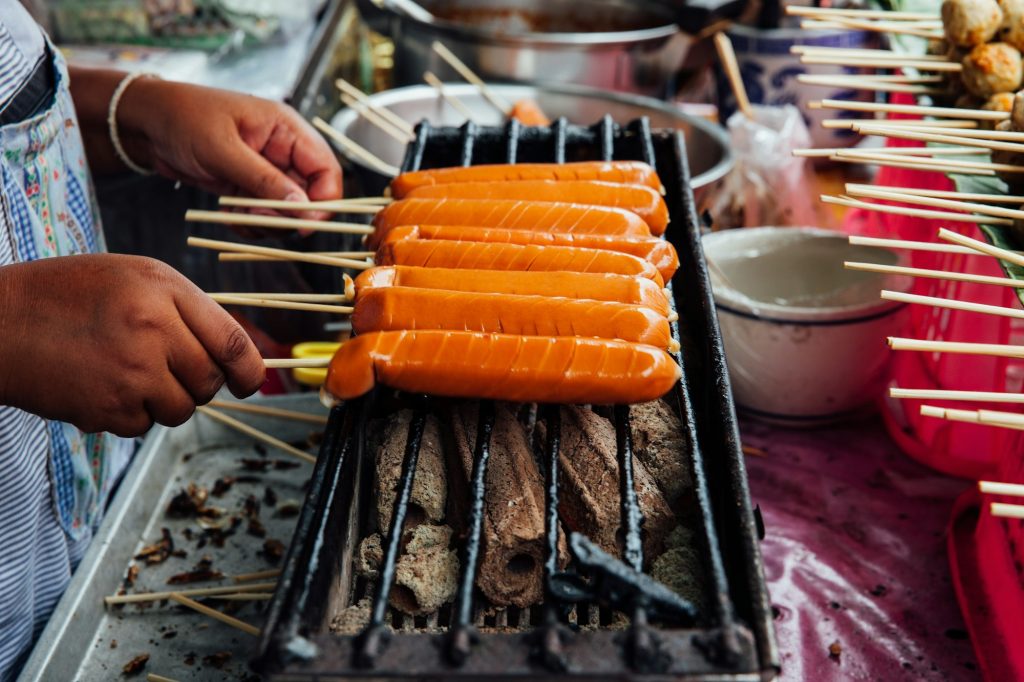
(296,195)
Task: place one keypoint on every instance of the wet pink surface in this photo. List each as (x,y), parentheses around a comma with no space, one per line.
(855,553)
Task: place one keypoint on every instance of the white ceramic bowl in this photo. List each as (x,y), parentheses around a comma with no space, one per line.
(804,338)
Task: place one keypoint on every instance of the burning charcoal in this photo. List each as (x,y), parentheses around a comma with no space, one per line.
(256,528)
(370,556)
(427,573)
(509,573)
(273,550)
(202,571)
(353,618)
(659,443)
(135,666)
(269,497)
(222,485)
(218,659)
(131,575)
(429,488)
(188,502)
(589,485)
(158,552)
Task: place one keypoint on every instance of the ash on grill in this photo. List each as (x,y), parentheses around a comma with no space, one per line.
(474,539)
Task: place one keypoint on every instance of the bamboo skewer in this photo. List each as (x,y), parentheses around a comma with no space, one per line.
(893,161)
(953,304)
(933,274)
(914,212)
(727,57)
(869,85)
(919,30)
(283,254)
(984,247)
(969,416)
(245,596)
(942,112)
(868,128)
(142,597)
(281,305)
(882,78)
(914,124)
(376,119)
(967,396)
(863,52)
(882,63)
(1000,488)
(935,247)
(335,206)
(896,151)
(800,11)
(352,149)
(274,222)
(257,575)
(153,677)
(230,421)
(942,165)
(215,614)
(498,102)
(946,138)
(1007,511)
(252,257)
(453,101)
(305,298)
(984,209)
(297,363)
(391,117)
(277,413)
(960,347)
(853,188)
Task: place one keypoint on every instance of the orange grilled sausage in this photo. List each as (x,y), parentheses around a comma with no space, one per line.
(640,199)
(528,112)
(396,308)
(483,256)
(502,367)
(622,172)
(594,286)
(513,215)
(657,252)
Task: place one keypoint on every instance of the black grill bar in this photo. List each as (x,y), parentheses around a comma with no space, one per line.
(512,132)
(462,634)
(560,130)
(374,637)
(551,652)
(631,518)
(468,139)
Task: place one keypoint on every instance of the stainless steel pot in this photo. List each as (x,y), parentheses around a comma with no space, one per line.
(619,45)
(707,145)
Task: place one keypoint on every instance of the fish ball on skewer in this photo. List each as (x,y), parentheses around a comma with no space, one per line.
(992,68)
(1012,29)
(971,22)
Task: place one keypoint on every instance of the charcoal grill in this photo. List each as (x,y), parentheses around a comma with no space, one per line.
(729,637)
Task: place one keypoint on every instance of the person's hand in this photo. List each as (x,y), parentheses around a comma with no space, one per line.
(114,343)
(228,143)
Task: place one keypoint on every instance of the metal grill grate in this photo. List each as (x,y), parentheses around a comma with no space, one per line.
(712,642)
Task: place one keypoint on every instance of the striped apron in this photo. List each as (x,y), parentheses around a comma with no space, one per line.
(54,480)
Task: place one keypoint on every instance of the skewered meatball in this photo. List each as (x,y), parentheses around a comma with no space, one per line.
(971,22)
(1001,101)
(1017,113)
(992,68)
(1012,29)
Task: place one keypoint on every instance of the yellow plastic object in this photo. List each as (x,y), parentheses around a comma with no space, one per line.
(312,349)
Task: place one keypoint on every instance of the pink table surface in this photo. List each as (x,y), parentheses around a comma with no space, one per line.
(855,553)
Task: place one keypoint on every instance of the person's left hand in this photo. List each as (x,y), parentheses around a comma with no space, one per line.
(228,143)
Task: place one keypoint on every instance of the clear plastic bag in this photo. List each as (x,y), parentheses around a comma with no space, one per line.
(768,186)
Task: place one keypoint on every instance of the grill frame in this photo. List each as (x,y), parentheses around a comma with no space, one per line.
(735,642)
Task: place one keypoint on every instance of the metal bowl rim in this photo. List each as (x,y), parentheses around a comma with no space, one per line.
(345,117)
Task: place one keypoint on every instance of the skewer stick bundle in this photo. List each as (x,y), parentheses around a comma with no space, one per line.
(968,396)
(296,363)
(862,52)
(391,117)
(373,117)
(940,112)
(986,140)
(869,128)
(335,206)
(453,101)
(305,298)
(854,188)
(278,413)
(968,416)
(1000,488)
(215,614)
(496,100)
(984,247)
(940,165)
(953,304)
(896,151)
(355,150)
(939,125)
(882,63)
(965,348)
(894,161)
(252,257)
(933,274)
(143,597)
(984,209)
(914,212)
(935,247)
(281,305)
(826,12)
(1007,511)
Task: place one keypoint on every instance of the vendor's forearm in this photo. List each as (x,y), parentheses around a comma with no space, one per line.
(91,90)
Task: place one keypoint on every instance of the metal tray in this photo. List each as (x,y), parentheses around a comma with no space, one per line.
(76,645)
(734,640)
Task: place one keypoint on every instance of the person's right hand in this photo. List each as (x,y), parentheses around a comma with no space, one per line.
(115,343)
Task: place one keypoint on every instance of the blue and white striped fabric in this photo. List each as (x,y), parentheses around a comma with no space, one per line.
(54,480)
